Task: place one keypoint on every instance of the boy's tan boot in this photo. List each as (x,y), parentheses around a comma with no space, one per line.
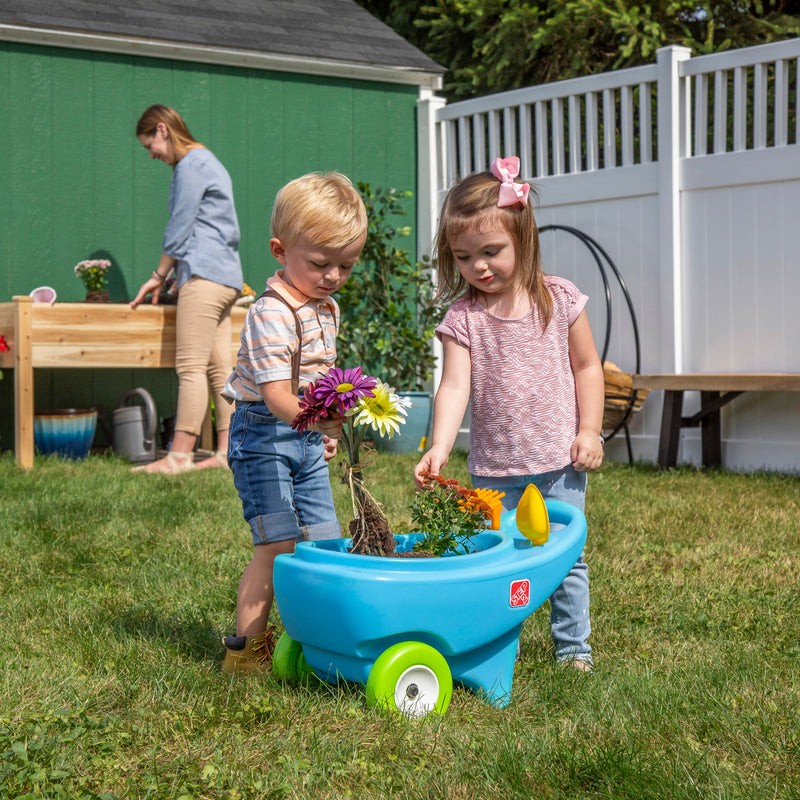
(249,653)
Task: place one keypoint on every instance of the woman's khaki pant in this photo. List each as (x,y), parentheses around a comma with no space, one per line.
(203,352)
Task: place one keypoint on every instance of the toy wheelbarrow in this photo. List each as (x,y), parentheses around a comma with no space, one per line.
(406,628)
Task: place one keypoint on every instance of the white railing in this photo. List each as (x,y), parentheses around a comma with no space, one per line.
(730,102)
(566,127)
(742,99)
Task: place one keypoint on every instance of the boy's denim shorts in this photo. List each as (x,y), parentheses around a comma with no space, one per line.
(281,477)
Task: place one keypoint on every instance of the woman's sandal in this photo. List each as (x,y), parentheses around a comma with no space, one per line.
(171,464)
(219,458)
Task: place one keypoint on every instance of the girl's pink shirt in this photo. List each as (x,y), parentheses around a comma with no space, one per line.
(524,407)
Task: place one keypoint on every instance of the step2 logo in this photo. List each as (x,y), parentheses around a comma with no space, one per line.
(520,593)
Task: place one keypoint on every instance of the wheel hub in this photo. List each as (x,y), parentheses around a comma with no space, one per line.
(417,691)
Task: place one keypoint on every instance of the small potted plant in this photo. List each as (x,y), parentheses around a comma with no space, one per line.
(449,515)
(93,274)
(168,295)
(387,314)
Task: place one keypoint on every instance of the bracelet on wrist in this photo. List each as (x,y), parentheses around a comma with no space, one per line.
(156,276)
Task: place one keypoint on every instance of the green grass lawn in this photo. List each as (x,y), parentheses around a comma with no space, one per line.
(115,590)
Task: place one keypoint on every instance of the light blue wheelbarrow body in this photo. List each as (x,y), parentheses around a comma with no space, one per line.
(345,610)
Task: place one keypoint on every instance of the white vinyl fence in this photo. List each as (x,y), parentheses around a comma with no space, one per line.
(687,172)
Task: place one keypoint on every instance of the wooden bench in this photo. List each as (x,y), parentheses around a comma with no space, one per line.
(89,335)
(716,390)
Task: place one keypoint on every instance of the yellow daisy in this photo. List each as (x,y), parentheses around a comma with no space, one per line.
(385,412)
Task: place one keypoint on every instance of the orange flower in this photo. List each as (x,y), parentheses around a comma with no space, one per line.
(449,514)
(472,501)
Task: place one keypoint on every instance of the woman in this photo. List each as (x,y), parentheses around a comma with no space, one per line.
(201,244)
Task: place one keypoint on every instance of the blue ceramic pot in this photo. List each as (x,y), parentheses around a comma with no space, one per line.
(67,432)
(416,430)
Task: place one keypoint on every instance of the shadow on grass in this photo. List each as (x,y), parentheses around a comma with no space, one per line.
(197,639)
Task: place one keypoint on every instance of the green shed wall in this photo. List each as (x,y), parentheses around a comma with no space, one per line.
(75,183)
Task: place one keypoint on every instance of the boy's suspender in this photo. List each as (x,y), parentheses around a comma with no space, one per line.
(298,327)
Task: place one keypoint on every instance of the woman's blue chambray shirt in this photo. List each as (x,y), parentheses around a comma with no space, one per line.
(203,232)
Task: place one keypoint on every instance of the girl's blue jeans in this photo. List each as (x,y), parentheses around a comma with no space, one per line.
(569,604)
(281,477)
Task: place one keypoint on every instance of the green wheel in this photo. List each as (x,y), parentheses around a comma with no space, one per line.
(412,679)
(288,661)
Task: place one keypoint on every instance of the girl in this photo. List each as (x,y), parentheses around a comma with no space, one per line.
(518,343)
(201,243)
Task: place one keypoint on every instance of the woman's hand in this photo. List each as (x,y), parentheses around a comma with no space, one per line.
(152,286)
(154,283)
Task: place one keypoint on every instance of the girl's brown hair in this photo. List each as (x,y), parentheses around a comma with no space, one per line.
(182,139)
(473,203)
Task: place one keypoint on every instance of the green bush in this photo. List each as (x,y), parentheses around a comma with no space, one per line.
(388,318)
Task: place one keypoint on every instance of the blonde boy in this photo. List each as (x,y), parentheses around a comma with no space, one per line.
(319,226)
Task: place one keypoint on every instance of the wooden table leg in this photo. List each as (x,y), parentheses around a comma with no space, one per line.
(23,383)
(670,428)
(711,430)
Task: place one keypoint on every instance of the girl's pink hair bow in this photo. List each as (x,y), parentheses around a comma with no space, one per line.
(505,170)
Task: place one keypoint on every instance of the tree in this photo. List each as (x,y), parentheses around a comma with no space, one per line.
(494,45)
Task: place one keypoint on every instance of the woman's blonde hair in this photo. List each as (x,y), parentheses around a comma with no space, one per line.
(473,203)
(182,139)
(325,208)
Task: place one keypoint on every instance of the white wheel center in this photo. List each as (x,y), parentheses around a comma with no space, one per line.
(416,691)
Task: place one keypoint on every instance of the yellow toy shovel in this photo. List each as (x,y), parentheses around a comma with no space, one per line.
(532,519)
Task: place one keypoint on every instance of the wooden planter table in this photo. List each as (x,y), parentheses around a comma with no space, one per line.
(88,335)
(711,387)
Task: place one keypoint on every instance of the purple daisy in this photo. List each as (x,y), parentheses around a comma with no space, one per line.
(344,388)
